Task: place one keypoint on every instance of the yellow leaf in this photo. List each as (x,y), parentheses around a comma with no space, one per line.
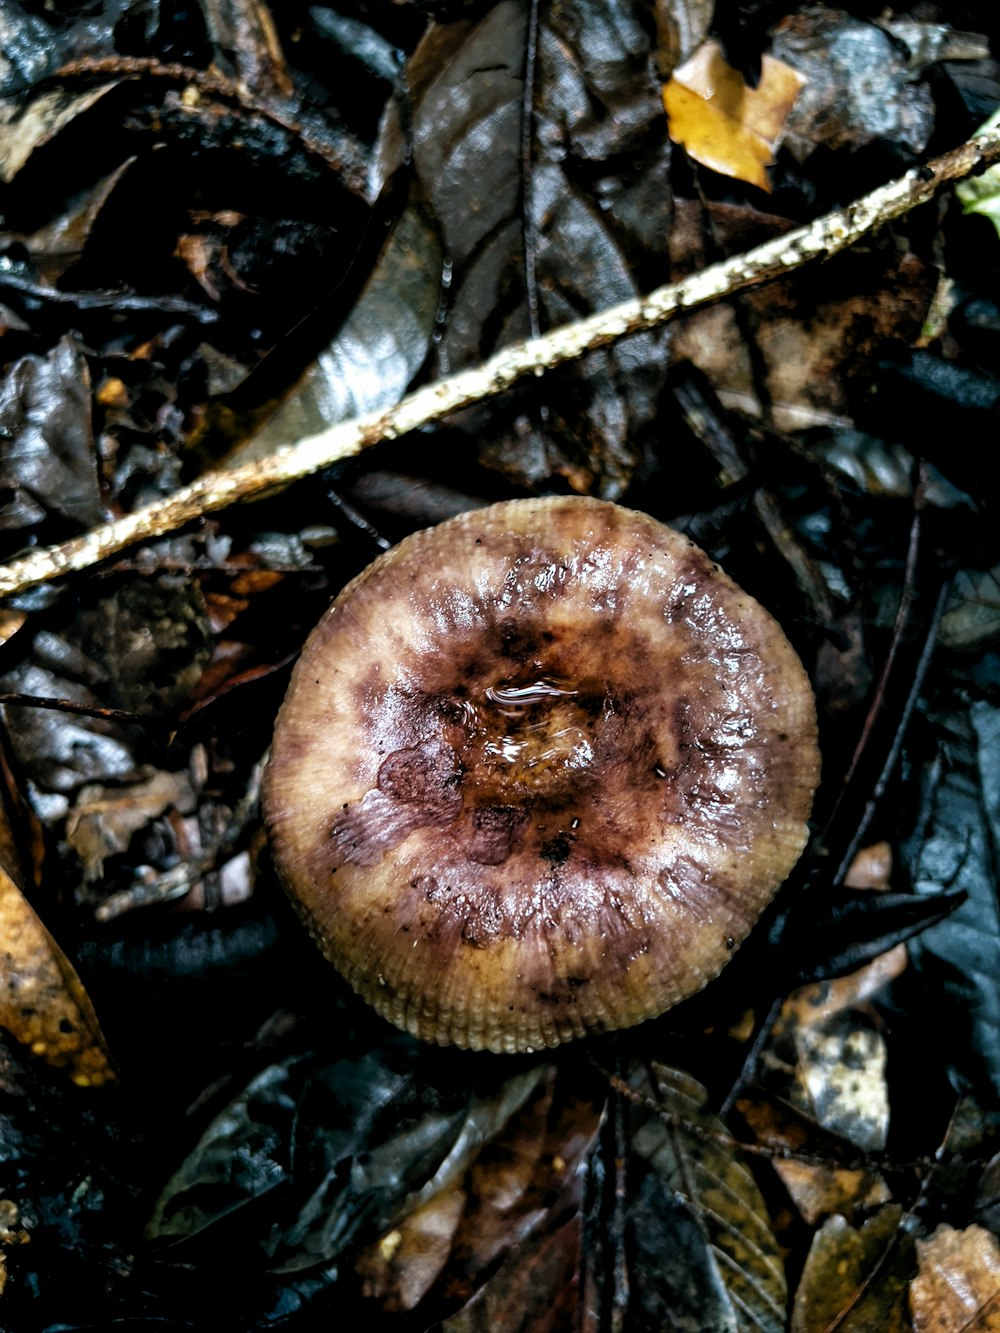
(42,1000)
(722,122)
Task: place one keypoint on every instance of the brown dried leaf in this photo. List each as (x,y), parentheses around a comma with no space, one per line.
(958,1287)
(42,1000)
(817,1190)
(400,1270)
(723,123)
(818,334)
(516,1209)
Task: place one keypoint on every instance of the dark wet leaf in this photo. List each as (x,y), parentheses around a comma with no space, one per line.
(35,40)
(59,753)
(47,459)
(355,1145)
(851,927)
(875,467)
(858,86)
(707,1251)
(573,224)
(954,848)
(108,654)
(360,41)
(972,617)
(59,242)
(381,345)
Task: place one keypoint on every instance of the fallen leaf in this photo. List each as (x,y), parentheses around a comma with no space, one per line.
(683,1148)
(47,461)
(840,1057)
(854,1278)
(103,819)
(358,1145)
(25,126)
(955,963)
(957,1289)
(498,1225)
(817,1190)
(722,122)
(378,349)
(859,87)
(818,335)
(402,1267)
(42,1001)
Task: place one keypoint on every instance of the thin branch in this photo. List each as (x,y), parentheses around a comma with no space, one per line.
(821,239)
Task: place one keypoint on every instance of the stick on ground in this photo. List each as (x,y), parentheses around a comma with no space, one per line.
(821,239)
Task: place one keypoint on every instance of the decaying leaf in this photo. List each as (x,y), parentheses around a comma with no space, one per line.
(953,844)
(47,463)
(818,1190)
(42,1000)
(858,85)
(10,1234)
(534,244)
(840,1071)
(842,1074)
(816,337)
(103,819)
(25,126)
(957,1289)
(721,121)
(855,1280)
(685,1148)
(358,1144)
(43,1003)
(821,1177)
(517,1210)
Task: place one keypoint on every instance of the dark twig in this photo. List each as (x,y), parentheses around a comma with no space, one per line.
(82,710)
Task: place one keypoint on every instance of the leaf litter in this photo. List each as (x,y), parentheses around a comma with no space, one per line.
(812,1143)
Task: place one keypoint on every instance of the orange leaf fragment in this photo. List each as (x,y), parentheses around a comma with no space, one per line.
(42,1000)
(721,121)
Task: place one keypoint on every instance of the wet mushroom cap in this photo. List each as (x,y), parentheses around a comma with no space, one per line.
(538,772)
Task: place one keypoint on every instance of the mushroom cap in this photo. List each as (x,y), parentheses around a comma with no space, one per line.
(538,771)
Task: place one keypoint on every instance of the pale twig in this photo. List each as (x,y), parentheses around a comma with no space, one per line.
(821,239)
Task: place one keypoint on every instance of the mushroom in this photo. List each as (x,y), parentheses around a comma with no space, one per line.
(538,771)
